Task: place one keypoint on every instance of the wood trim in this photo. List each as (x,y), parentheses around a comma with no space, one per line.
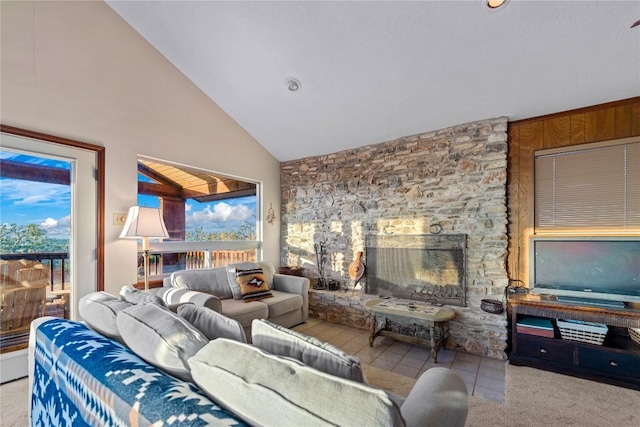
(582,110)
(594,124)
(100,177)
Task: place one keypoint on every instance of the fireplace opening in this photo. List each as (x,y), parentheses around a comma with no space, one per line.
(429,268)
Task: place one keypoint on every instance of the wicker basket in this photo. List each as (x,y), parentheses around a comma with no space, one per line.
(634,333)
(491,306)
(592,333)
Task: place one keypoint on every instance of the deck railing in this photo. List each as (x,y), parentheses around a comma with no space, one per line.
(162,264)
(167,257)
(56,261)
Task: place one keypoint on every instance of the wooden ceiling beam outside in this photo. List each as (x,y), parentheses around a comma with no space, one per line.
(192,184)
(159,190)
(33,172)
(225,196)
(161,179)
(220,187)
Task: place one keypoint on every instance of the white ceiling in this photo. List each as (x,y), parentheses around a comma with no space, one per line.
(375,71)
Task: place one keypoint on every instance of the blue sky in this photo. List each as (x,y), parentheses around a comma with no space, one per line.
(48,205)
(29,202)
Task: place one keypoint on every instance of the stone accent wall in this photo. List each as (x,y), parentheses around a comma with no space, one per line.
(453,179)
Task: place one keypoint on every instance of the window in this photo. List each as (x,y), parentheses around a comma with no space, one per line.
(212,219)
(591,188)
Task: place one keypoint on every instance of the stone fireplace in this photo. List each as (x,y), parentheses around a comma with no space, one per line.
(430,268)
(441,183)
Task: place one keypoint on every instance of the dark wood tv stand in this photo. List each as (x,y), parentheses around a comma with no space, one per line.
(616,361)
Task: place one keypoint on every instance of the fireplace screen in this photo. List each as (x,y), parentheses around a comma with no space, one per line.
(419,267)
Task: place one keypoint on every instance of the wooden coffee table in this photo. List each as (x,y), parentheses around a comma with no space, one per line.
(428,316)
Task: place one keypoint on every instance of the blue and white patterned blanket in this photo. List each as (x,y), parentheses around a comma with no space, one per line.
(82,378)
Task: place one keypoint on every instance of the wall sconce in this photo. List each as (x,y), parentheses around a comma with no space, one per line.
(494,4)
(271,215)
(144,223)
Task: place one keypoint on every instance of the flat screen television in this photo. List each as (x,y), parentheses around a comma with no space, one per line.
(588,268)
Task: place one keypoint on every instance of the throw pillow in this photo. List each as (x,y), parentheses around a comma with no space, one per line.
(269,390)
(267,269)
(160,337)
(311,351)
(213,325)
(253,285)
(136,296)
(99,310)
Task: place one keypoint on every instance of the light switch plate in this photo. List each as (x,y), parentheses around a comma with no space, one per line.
(119,218)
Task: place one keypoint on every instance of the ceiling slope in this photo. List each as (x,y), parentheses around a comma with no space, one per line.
(375,71)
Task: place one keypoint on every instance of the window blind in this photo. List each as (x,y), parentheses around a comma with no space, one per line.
(595,188)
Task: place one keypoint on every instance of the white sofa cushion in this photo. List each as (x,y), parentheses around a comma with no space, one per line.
(174,296)
(213,325)
(134,295)
(281,341)
(282,303)
(244,312)
(99,311)
(268,390)
(160,337)
(210,280)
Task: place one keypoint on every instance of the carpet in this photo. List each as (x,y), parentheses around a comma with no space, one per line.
(14,403)
(534,398)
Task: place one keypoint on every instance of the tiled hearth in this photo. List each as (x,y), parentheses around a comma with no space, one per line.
(485,377)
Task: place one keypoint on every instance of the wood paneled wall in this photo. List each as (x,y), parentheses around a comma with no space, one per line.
(614,120)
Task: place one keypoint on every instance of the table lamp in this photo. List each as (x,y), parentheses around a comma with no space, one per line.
(144,223)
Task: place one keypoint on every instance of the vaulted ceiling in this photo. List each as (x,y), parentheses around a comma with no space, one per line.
(373,71)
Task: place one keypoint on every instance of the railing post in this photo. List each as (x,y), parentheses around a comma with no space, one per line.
(62,262)
(207,258)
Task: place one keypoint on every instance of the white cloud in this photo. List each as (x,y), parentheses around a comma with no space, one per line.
(220,213)
(21,192)
(58,228)
(49,223)
(187,208)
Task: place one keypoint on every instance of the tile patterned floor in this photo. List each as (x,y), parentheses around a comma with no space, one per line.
(485,378)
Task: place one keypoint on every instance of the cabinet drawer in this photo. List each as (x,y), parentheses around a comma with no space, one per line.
(609,362)
(544,348)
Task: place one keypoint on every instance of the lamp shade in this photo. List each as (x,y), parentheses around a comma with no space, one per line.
(144,222)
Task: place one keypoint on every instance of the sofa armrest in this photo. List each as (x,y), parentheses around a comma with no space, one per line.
(439,398)
(31,351)
(294,285)
(172,296)
(291,284)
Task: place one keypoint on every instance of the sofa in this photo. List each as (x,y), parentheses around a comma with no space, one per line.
(158,369)
(218,289)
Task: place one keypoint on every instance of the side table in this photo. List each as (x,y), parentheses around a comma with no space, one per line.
(430,317)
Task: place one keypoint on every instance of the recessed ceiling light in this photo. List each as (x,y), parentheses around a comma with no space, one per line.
(293,84)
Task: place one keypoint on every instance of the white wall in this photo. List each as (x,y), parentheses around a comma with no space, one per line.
(77,70)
